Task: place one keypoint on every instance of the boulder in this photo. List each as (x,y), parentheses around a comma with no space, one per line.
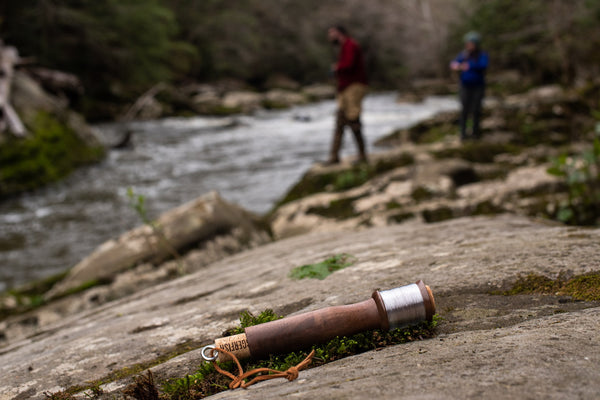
(488,344)
(279,81)
(206,101)
(280,98)
(183,227)
(244,101)
(319,91)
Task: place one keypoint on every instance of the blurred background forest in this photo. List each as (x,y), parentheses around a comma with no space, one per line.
(121,48)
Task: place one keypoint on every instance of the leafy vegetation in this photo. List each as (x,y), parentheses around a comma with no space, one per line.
(516,33)
(581,172)
(116,47)
(121,48)
(138,203)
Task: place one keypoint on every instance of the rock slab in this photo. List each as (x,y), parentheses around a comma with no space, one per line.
(492,346)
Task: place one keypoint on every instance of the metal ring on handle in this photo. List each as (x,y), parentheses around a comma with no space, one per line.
(214,353)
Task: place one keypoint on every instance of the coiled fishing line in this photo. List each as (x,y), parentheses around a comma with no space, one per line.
(404,305)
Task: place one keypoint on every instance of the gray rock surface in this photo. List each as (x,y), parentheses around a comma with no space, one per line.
(429,189)
(186,225)
(492,346)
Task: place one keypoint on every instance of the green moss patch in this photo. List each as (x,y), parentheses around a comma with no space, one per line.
(434,134)
(400,217)
(51,152)
(421,193)
(338,209)
(581,287)
(438,214)
(487,208)
(324,268)
(478,151)
(428,131)
(30,296)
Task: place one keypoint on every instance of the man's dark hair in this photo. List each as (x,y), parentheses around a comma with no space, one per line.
(341,29)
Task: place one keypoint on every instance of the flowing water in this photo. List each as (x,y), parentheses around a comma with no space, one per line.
(250,160)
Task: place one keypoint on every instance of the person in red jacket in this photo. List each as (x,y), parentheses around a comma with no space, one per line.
(351,89)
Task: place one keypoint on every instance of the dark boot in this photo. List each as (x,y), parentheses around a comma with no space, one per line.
(338,135)
(358,137)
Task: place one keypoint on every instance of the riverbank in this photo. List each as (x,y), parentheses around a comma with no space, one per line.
(251,160)
(470,219)
(427,175)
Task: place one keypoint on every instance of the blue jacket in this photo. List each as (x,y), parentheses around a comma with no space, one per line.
(475,75)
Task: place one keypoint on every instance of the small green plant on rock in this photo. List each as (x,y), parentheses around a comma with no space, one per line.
(352,178)
(324,268)
(138,203)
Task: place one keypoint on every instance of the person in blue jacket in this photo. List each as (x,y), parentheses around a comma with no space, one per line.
(472,64)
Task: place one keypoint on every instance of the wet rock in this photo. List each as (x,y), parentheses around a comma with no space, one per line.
(207,101)
(178,229)
(282,82)
(319,91)
(244,101)
(280,98)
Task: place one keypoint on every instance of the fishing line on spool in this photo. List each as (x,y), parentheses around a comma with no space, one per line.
(404,305)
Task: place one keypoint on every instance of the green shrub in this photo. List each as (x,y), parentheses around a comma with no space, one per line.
(581,173)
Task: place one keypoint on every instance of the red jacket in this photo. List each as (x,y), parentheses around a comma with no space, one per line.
(350,67)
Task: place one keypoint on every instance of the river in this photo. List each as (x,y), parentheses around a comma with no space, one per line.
(250,160)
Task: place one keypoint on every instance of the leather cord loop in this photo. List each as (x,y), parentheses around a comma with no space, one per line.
(239,380)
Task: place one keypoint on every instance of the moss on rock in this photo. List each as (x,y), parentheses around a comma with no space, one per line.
(584,287)
(338,209)
(438,214)
(51,152)
(342,179)
(479,152)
